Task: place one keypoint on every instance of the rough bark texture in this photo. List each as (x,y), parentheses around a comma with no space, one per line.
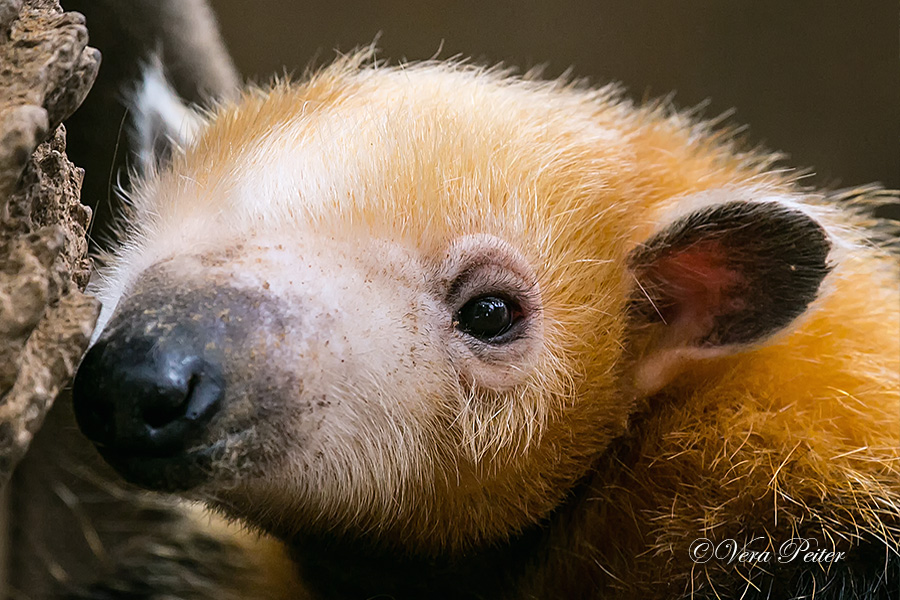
(46,70)
(71,520)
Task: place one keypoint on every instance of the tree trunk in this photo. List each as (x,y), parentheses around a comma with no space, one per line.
(46,70)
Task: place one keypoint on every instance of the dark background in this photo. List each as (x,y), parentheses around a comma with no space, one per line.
(817,80)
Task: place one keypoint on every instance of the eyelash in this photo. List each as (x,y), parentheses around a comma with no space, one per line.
(473,283)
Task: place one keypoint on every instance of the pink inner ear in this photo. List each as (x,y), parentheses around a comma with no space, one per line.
(694,285)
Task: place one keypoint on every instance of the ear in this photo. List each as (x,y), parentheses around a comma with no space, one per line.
(720,279)
(162,121)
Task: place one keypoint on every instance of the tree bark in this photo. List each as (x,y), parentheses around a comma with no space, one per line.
(46,70)
(70,519)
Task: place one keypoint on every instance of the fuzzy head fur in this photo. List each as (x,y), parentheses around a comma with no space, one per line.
(330,232)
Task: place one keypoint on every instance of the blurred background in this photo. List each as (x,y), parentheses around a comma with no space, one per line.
(819,81)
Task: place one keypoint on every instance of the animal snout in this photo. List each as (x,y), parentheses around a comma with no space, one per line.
(148,394)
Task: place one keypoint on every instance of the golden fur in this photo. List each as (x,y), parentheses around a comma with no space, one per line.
(800,433)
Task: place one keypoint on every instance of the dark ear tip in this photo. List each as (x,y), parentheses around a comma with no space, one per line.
(741,222)
(791,250)
(746,268)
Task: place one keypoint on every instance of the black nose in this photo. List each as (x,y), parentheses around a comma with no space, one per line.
(146,395)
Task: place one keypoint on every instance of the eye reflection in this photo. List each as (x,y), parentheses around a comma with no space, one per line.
(487,317)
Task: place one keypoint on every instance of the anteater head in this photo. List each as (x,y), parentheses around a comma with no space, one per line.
(416,304)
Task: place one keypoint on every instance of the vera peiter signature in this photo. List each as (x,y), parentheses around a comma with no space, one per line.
(759,550)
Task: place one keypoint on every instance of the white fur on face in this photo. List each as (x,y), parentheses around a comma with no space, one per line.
(363,375)
(399,206)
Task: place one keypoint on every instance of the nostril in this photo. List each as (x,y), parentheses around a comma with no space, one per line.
(192,402)
(148,397)
(181,395)
(172,403)
(204,395)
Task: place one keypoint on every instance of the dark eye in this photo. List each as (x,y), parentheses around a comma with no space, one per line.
(487,317)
